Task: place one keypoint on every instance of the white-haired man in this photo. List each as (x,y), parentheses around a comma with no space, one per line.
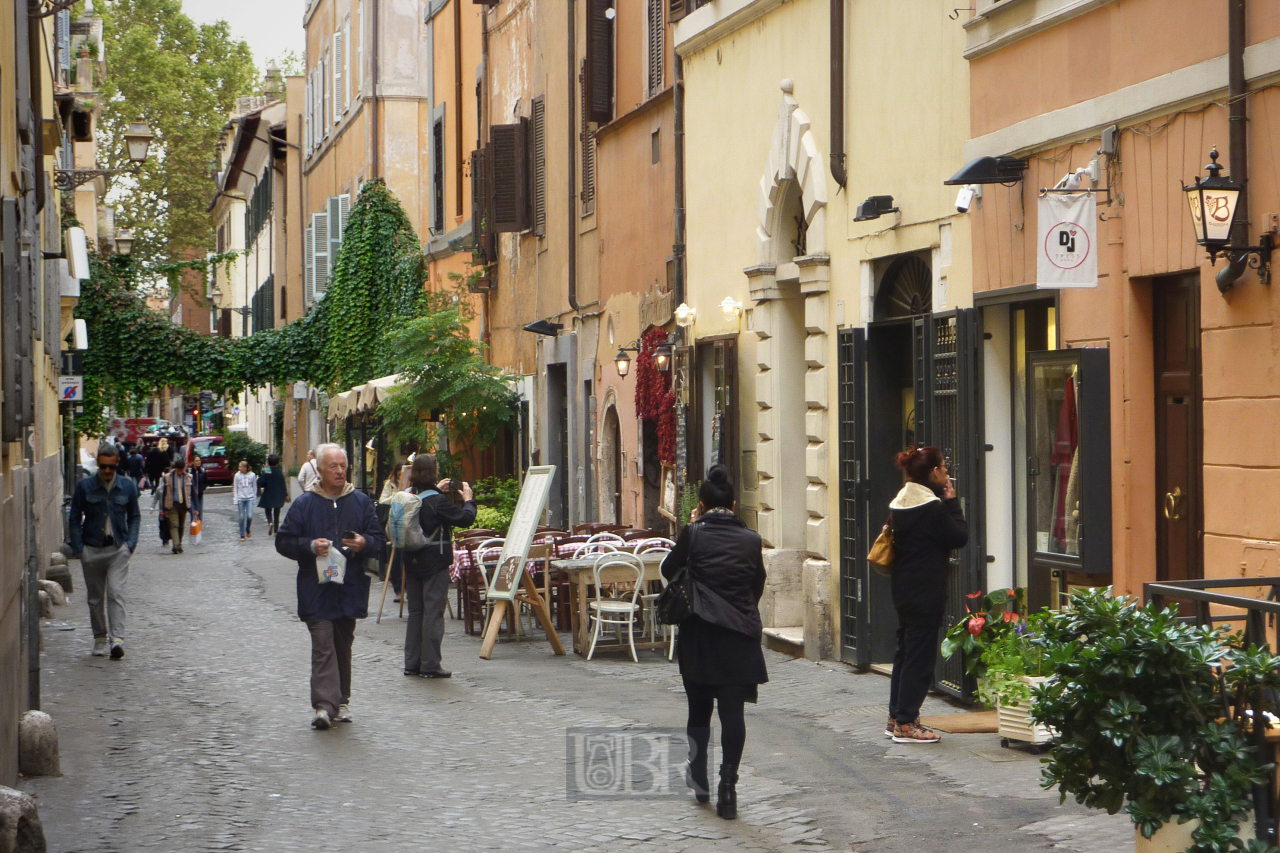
(331,515)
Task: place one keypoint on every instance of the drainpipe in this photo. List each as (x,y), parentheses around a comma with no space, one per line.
(1238,129)
(457,99)
(837,93)
(573,153)
(373,93)
(679,248)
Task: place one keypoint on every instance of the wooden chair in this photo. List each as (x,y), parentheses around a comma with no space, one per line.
(476,583)
(631,534)
(590,527)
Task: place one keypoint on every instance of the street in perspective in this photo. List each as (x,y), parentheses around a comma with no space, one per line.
(200,739)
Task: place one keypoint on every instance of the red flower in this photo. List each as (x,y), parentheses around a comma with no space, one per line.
(1010,616)
(974,595)
(976,623)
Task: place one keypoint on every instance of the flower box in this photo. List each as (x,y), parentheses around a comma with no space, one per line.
(1013,722)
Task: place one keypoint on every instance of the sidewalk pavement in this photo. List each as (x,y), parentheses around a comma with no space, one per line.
(199,739)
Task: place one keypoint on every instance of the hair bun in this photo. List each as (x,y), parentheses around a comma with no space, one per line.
(718,474)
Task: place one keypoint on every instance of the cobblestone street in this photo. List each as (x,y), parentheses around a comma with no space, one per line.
(199,739)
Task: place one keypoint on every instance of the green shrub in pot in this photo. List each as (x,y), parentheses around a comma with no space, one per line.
(1150,715)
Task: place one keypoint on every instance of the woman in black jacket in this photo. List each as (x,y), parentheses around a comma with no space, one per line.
(426,571)
(719,645)
(927,524)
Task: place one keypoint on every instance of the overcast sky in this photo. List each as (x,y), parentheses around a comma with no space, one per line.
(269,26)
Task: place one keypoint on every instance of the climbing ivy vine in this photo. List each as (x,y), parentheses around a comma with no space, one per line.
(376,319)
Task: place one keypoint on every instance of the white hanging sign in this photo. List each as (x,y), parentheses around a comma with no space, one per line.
(1068,246)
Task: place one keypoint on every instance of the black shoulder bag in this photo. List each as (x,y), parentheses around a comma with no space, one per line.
(676,603)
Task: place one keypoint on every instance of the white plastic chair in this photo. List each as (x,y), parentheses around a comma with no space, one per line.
(488,550)
(657,545)
(617,612)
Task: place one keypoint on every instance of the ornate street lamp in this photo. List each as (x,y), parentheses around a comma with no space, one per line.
(124,242)
(137,140)
(1213,203)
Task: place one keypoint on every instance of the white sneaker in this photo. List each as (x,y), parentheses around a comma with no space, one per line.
(321,719)
(100,647)
(344,714)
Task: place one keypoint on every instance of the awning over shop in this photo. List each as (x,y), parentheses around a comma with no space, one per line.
(364,398)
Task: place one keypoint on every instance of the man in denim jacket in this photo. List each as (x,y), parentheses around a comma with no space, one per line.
(104,533)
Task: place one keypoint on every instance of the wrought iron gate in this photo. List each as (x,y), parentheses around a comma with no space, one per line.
(852,360)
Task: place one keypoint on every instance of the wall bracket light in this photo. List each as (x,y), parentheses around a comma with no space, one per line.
(137,140)
(544,327)
(661,356)
(1213,204)
(875,207)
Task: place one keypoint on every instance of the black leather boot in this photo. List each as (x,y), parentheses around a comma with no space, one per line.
(727,796)
(695,774)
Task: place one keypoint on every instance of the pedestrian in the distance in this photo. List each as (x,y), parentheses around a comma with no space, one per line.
(927,523)
(426,571)
(104,524)
(199,482)
(389,489)
(333,515)
(718,646)
(177,501)
(308,474)
(157,461)
(275,492)
(137,466)
(245,491)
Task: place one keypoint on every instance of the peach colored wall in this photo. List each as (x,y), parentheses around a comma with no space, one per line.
(1147,232)
(1114,46)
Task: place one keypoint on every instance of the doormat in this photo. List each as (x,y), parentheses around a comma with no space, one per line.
(971,722)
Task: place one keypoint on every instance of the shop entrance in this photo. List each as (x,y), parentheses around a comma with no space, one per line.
(913,378)
(1179,502)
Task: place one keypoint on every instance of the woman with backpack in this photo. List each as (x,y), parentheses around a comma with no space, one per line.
(426,570)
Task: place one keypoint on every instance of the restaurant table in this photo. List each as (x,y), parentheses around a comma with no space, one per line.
(581,574)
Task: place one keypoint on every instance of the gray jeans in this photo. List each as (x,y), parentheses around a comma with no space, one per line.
(425,628)
(331,663)
(105,572)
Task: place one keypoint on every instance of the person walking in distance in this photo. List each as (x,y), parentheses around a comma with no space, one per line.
(426,571)
(104,524)
(157,460)
(275,492)
(308,473)
(177,501)
(718,646)
(332,517)
(136,465)
(199,482)
(245,490)
(927,523)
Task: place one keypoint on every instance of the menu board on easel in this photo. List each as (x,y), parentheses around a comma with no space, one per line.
(505,583)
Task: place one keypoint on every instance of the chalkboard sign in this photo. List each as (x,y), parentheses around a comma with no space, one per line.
(505,583)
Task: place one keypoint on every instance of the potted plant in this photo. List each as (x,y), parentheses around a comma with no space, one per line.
(998,642)
(1152,716)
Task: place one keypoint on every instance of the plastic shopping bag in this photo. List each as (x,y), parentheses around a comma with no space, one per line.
(331,569)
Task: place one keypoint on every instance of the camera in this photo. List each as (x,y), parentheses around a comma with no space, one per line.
(966,196)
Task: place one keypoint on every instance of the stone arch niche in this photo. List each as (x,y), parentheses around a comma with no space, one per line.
(609,464)
(790,284)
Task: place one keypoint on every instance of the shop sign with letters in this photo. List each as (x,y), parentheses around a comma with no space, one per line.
(1067,255)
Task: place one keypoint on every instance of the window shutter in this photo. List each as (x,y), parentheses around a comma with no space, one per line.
(481,208)
(679,8)
(346,65)
(510,180)
(344,209)
(309,278)
(598,104)
(338,85)
(320,253)
(657,33)
(335,229)
(587,148)
(306,119)
(539,167)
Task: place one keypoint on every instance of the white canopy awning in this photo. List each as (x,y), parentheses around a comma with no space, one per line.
(364,398)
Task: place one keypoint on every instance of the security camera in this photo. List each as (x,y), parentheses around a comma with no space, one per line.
(966,196)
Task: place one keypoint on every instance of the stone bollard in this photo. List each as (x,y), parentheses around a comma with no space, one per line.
(38,746)
(20,829)
(56,593)
(59,571)
(46,605)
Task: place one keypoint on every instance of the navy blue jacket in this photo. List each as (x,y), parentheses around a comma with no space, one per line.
(90,501)
(315,516)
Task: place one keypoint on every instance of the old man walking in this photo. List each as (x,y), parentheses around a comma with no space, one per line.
(331,516)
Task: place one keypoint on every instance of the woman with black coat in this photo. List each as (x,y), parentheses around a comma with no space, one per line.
(721,662)
(927,524)
(426,571)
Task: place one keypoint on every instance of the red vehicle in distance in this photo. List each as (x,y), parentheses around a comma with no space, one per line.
(213,450)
